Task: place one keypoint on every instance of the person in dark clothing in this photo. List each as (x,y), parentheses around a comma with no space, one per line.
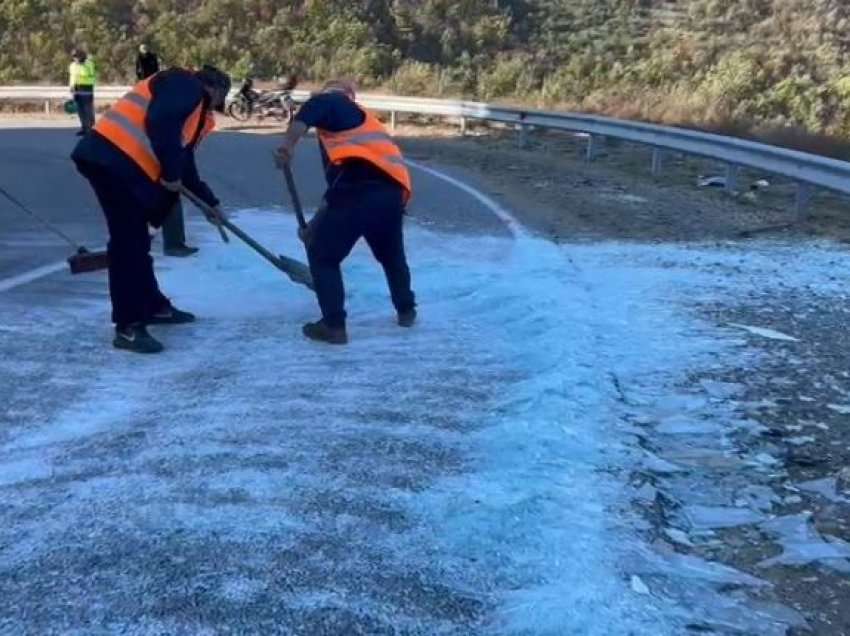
(173,228)
(147,63)
(368,189)
(82,75)
(137,158)
(174,233)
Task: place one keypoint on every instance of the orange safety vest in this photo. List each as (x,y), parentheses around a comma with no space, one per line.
(369,141)
(124,126)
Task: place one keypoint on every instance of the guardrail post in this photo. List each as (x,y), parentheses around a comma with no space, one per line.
(522,136)
(731,177)
(462,126)
(392,120)
(46,106)
(802,199)
(657,161)
(593,144)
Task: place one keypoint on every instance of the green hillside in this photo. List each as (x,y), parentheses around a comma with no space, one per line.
(706,62)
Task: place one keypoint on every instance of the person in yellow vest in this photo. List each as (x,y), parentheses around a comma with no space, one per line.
(368,189)
(82,76)
(137,158)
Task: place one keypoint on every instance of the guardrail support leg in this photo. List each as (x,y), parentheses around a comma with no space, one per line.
(731,177)
(462,126)
(801,202)
(46,106)
(594,142)
(522,135)
(392,120)
(657,161)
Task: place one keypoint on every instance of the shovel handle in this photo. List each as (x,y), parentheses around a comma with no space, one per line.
(240,234)
(208,210)
(293,194)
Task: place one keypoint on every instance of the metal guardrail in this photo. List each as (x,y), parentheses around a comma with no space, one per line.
(39,93)
(806,169)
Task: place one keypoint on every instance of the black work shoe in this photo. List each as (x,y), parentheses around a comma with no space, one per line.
(171,316)
(407,318)
(321,332)
(180,251)
(136,338)
(81,133)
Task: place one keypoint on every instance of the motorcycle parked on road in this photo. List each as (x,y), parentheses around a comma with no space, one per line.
(277,104)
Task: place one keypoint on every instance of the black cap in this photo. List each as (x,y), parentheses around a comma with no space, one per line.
(215,78)
(212,76)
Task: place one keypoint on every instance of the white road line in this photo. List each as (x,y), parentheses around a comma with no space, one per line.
(34,274)
(12,123)
(513,225)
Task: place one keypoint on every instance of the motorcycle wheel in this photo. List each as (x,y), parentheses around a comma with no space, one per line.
(281,113)
(239,111)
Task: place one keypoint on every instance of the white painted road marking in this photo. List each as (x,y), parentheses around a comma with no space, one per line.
(34,274)
(513,225)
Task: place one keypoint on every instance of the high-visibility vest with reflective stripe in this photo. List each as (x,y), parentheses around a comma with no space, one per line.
(84,74)
(124,126)
(369,141)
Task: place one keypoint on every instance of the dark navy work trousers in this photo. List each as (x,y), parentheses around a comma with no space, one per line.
(85,109)
(133,287)
(374,211)
(174,227)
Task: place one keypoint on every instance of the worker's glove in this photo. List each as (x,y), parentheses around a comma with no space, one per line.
(171,186)
(283,155)
(306,233)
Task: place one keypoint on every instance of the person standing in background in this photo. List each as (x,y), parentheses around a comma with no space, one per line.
(82,76)
(173,227)
(147,63)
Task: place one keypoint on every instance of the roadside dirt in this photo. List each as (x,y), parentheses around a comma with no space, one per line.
(557,192)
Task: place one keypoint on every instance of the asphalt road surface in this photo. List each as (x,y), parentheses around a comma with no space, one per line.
(473,475)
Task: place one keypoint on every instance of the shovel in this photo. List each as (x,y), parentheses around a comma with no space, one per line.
(297,272)
(293,194)
(296,200)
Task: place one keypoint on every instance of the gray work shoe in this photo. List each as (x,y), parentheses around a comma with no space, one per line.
(171,316)
(136,338)
(407,318)
(321,332)
(180,251)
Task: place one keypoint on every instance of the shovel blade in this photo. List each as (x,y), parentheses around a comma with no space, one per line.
(297,271)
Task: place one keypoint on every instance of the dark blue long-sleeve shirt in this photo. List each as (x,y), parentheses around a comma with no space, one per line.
(176,94)
(335,112)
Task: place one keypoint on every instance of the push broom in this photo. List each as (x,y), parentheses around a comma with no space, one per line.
(83,260)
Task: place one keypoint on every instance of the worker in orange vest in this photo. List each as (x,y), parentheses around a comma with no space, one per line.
(368,189)
(137,158)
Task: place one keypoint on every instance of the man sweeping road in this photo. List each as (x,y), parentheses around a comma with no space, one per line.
(137,158)
(368,188)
